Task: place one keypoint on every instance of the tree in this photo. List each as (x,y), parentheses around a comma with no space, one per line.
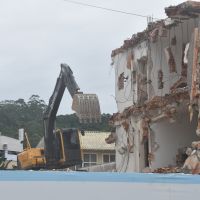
(29,115)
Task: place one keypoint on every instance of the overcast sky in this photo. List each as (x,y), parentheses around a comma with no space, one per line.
(37,35)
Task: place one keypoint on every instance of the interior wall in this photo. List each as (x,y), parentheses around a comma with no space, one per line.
(183,33)
(172,136)
(127,96)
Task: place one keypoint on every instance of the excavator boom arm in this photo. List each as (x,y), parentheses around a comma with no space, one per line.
(86,106)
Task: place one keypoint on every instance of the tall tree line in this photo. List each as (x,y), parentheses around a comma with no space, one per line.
(21,114)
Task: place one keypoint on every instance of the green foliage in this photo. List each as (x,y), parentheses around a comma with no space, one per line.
(20,114)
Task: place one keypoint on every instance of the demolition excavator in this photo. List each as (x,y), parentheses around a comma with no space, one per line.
(61,146)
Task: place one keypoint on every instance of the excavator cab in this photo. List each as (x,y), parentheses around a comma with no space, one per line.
(68,150)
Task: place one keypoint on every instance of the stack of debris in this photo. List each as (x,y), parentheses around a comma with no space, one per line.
(167,170)
(192,163)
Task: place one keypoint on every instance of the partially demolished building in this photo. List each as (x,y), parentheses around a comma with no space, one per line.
(157,78)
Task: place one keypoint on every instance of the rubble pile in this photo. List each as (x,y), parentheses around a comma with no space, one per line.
(192,163)
(166,170)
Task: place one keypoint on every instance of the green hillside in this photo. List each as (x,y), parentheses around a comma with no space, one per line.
(20,114)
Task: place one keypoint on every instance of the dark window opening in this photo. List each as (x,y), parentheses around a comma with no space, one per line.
(107,158)
(89,159)
(146,153)
(121,81)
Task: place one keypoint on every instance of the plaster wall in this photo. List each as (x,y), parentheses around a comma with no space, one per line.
(125,160)
(183,33)
(165,140)
(172,136)
(127,96)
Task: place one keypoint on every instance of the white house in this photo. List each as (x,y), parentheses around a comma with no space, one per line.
(96,152)
(157,89)
(10,147)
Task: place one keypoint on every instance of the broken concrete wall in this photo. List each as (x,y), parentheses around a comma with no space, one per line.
(170,138)
(128,95)
(155,69)
(182,34)
(122,155)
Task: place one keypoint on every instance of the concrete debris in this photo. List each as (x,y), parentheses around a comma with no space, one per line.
(111,138)
(151,33)
(196,145)
(163,170)
(152,105)
(181,83)
(184,10)
(192,163)
(110,167)
(154,35)
(167,170)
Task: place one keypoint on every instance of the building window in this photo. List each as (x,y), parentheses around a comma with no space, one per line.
(107,158)
(89,159)
(121,81)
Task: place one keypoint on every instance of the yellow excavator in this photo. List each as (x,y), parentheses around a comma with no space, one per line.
(62,146)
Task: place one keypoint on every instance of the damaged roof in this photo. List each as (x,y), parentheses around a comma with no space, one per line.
(188,9)
(183,10)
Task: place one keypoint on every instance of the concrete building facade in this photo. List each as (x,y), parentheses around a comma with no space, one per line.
(157,91)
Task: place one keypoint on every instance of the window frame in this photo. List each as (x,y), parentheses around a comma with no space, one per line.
(109,157)
(90,162)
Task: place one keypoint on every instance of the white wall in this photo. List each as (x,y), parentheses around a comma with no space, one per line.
(172,136)
(12,144)
(183,33)
(127,96)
